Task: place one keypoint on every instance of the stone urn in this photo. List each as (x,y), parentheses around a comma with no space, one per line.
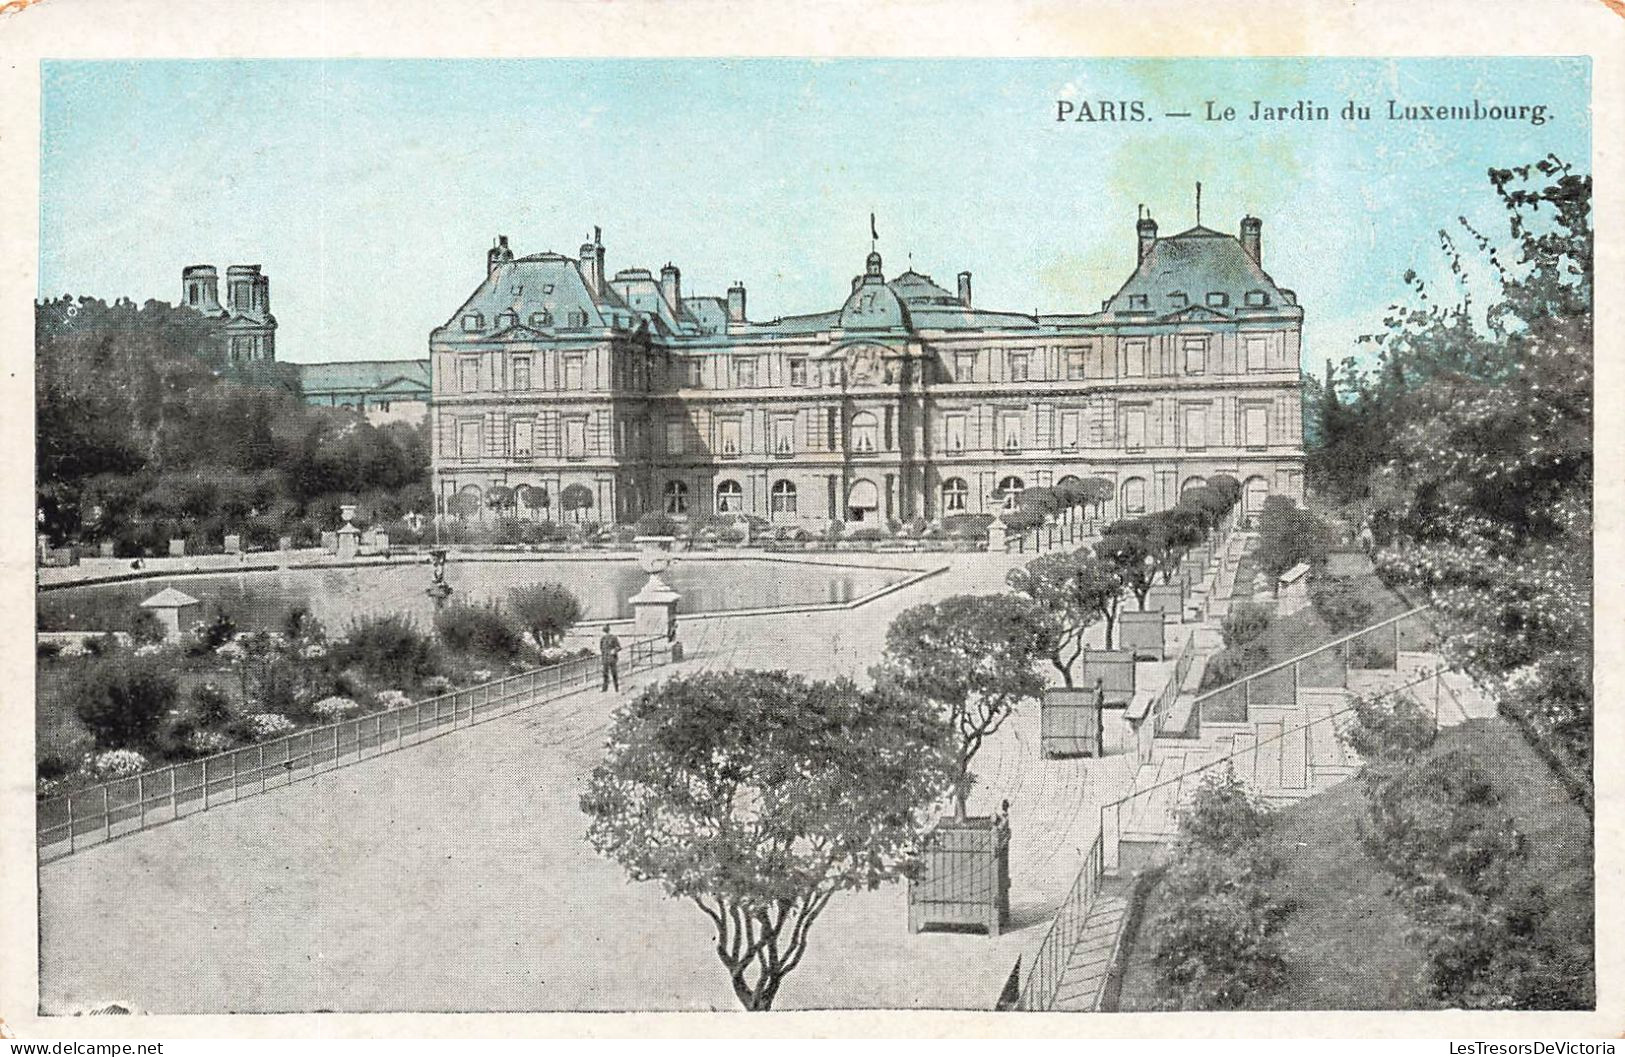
(654,609)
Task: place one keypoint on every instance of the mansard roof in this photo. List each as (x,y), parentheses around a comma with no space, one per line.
(1199,266)
(540,283)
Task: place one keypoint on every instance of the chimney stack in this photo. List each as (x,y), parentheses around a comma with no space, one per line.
(964,289)
(497,254)
(671,286)
(1147,229)
(592,264)
(736,303)
(1252,230)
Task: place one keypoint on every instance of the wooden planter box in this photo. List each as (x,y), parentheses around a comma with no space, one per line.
(1077,722)
(965,883)
(1141,634)
(1167,598)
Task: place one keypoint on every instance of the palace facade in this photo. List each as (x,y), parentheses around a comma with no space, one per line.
(562,392)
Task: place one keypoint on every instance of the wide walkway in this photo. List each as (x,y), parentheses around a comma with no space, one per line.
(455,875)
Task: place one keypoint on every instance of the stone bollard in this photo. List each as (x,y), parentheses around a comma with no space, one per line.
(177,548)
(234,544)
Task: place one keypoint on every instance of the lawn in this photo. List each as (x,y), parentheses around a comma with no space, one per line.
(1345,941)
(1299,633)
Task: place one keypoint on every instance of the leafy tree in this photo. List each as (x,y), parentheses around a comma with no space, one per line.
(760,795)
(1074,590)
(1289,535)
(546,611)
(122,700)
(971,657)
(1170,535)
(1129,547)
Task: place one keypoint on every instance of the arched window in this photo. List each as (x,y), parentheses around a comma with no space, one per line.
(730,498)
(955,496)
(676,497)
(1133,496)
(468,502)
(1192,483)
(784,498)
(1253,493)
(1010,489)
(863,433)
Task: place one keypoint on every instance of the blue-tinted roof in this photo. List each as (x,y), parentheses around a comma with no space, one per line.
(364,376)
(1198,267)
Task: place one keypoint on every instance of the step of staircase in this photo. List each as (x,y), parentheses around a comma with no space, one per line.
(1083,981)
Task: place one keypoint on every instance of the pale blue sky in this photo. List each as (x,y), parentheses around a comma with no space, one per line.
(371,190)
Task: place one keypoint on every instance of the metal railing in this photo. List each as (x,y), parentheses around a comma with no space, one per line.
(1287,783)
(1163,707)
(1278,684)
(70,822)
(1049,963)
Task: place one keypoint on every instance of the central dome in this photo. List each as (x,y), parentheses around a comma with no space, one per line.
(873,305)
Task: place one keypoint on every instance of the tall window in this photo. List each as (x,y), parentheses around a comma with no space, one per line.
(1256,426)
(745,372)
(468,439)
(521,372)
(1020,362)
(863,432)
(955,496)
(730,498)
(575,438)
(784,436)
(728,436)
(1134,496)
(468,374)
(1010,489)
(674,438)
(1195,355)
(964,366)
(829,428)
(1253,495)
(1134,358)
(954,434)
(1010,430)
(798,370)
(572,372)
(692,371)
(1133,429)
(1070,428)
(1258,347)
(523,432)
(784,497)
(1196,427)
(676,497)
(1074,365)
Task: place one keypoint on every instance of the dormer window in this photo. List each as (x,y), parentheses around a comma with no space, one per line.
(507,319)
(1216,299)
(1179,299)
(1257,299)
(547,288)
(576,319)
(473,323)
(1138,302)
(541,319)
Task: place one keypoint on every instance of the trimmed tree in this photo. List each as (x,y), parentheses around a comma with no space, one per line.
(1127,545)
(1171,534)
(758,796)
(546,612)
(1074,590)
(971,657)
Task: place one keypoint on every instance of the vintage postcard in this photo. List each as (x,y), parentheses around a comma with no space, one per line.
(730,528)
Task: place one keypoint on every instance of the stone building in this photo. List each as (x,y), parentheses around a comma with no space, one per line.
(563,392)
(245,328)
(383,391)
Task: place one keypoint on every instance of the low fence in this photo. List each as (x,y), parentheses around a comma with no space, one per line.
(1048,966)
(1162,708)
(84,818)
(1151,812)
(1325,666)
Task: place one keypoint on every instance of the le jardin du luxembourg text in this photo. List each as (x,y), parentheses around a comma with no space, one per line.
(1299,110)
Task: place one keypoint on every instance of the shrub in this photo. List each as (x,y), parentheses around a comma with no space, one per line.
(655,523)
(211,634)
(121,702)
(1339,602)
(145,628)
(1230,665)
(118,763)
(547,611)
(435,685)
(1391,729)
(47,651)
(385,647)
(1289,535)
(967,526)
(329,709)
(210,705)
(1215,929)
(262,725)
(1246,622)
(479,629)
(866,534)
(388,699)
(208,742)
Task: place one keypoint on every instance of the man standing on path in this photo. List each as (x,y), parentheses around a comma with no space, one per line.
(609,649)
